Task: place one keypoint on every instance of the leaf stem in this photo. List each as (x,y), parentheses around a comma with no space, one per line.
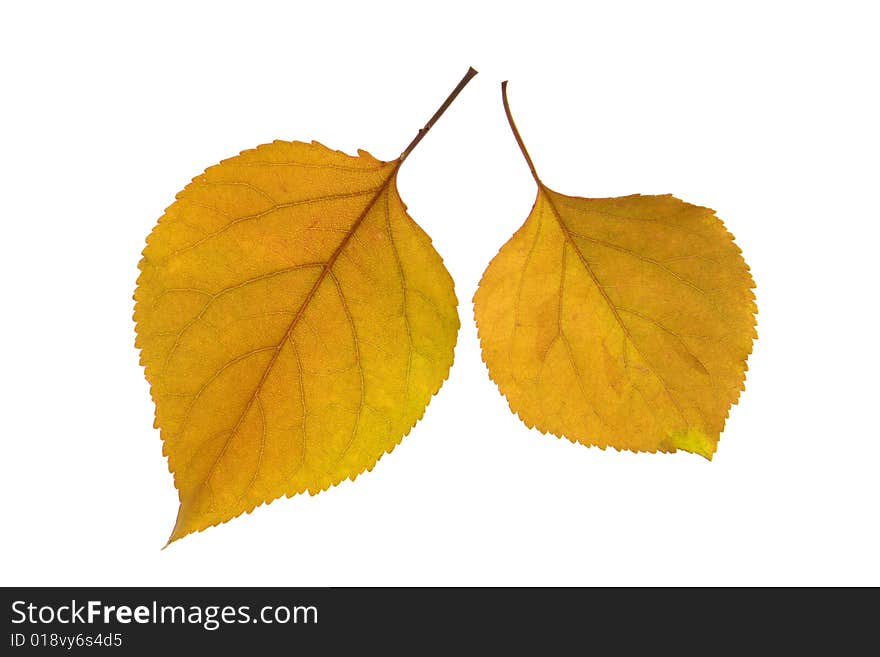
(471,72)
(516,135)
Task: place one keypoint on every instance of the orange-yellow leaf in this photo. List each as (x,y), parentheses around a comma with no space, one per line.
(293,322)
(622,322)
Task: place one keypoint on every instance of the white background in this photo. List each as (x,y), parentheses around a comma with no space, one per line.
(767,112)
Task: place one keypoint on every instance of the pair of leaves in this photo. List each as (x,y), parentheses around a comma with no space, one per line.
(294,323)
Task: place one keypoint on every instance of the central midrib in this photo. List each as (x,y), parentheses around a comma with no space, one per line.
(295,321)
(611,306)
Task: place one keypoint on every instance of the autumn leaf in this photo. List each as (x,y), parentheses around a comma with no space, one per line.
(293,323)
(622,322)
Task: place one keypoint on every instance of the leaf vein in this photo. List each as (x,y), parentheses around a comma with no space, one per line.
(357,355)
(403,287)
(275,208)
(613,308)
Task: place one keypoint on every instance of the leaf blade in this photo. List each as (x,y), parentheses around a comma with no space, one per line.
(623,373)
(287,221)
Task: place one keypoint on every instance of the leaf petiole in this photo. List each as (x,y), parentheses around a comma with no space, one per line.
(471,72)
(516,135)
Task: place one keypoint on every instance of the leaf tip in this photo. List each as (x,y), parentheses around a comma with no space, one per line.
(694,441)
(177,531)
(186,523)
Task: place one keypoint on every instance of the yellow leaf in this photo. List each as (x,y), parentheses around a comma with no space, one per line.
(293,322)
(622,322)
